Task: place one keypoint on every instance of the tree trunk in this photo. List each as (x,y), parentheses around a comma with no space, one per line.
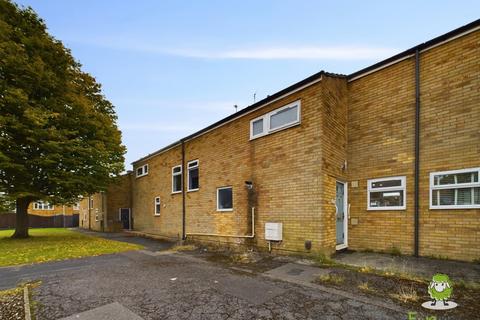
(21,227)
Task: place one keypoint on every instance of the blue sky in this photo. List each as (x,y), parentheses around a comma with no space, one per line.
(174,67)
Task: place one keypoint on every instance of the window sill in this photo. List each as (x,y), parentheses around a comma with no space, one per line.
(193,190)
(156,215)
(387,209)
(143,175)
(224,210)
(455,207)
(176,192)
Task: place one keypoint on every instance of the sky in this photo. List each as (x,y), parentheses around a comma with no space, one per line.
(174,67)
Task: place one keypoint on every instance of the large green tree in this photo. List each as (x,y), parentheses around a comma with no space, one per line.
(58,133)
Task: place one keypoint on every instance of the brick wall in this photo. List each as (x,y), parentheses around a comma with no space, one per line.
(381,128)
(370,123)
(158,183)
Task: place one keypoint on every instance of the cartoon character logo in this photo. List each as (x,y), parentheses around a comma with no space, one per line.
(440,290)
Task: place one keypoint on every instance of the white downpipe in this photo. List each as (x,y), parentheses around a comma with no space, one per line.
(228,235)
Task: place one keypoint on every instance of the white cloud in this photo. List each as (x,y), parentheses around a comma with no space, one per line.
(301,53)
(337,52)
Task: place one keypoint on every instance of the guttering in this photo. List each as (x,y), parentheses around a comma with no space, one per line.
(317,77)
(417,153)
(184,236)
(248,236)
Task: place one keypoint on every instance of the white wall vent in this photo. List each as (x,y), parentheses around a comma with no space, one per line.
(273,231)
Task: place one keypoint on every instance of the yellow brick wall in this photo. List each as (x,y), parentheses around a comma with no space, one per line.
(381,115)
(93,218)
(119,195)
(334,154)
(285,168)
(450,135)
(158,183)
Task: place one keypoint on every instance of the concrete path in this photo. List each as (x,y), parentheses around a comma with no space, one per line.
(149,244)
(422,267)
(112,311)
(178,286)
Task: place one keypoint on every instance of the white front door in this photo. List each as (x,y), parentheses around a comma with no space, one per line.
(341,215)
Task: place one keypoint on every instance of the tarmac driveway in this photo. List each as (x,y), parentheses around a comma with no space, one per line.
(176,286)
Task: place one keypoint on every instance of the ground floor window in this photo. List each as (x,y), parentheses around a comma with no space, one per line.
(225,199)
(387,193)
(157,206)
(455,189)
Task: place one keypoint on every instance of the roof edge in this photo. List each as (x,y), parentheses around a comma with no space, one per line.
(422,46)
(269,99)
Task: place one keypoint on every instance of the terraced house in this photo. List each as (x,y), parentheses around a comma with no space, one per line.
(386,158)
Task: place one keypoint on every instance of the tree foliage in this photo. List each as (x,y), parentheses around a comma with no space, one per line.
(58,133)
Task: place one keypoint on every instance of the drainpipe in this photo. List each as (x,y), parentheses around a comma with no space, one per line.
(184,236)
(89,212)
(417,152)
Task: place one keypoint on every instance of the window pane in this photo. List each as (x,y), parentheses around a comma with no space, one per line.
(257,127)
(225,199)
(435,197)
(177,170)
(157,208)
(445,179)
(387,183)
(464,196)
(386,199)
(177,183)
(145,168)
(466,177)
(139,171)
(283,117)
(447,197)
(476,197)
(193,179)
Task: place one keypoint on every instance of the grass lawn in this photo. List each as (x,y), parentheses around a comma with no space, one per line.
(55,244)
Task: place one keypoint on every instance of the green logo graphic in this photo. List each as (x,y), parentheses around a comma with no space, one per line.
(440,290)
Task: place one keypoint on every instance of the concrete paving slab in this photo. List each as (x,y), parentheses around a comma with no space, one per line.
(299,273)
(250,289)
(112,311)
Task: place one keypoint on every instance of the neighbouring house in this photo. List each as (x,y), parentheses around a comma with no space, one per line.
(385,159)
(42,214)
(110,210)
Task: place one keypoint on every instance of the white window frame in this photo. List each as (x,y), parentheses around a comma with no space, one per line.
(156,202)
(218,192)
(44,206)
(455,187)
(144,171)
(173,178)
(197,166)
(402,187)
(266,120)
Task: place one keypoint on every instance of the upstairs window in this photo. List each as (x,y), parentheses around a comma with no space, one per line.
(40,205)
(225,199)
(157,206)
(76,206)
(142,171)
(278,119)
(177,179)
(387,193)
(456,189)
(193,175)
